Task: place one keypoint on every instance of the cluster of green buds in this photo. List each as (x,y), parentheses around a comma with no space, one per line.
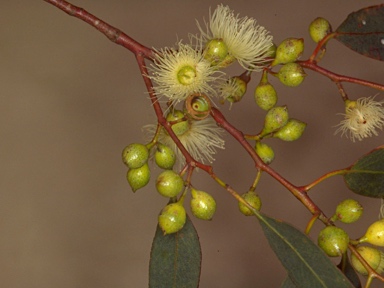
(277,124)
(374,235)
(173,216)
(374,257)
(135,156)
(334,240)
(287,53)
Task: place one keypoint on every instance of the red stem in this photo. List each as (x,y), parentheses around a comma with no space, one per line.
(337,77)
(299,193)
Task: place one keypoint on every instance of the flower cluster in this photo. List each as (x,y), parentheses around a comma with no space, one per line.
(181,72)
(361,119)
(246,41)
(194,68)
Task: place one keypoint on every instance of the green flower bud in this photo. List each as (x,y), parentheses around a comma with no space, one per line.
(276,118)
(348,211)
(215,51)
(319,28)
(139,177)
(169,183)
(291,131)
(135,155)
(372,256)
(265,152)
(203,205)
(291,74)
(374,234)
(333,240)
(172,218)
(289,51)
(265,96)
(181,127)
(253,199)
(165,158)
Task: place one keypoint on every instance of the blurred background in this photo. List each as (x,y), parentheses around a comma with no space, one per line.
(71,100)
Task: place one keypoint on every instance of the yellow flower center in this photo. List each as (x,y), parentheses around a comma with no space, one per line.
(186,75)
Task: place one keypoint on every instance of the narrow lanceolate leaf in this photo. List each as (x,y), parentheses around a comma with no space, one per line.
(363,32)
(307,265)
(175,259)
(366,176)
(288,283)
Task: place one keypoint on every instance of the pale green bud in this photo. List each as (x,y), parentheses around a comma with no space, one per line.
(291,131)
(276,118)
(289,51)
(291,74)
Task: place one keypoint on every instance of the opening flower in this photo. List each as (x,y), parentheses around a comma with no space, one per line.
(180,72)
(361,119)
(233,89)
(245,40)
(201,138)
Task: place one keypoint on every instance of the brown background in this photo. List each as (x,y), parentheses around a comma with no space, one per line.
(71,101)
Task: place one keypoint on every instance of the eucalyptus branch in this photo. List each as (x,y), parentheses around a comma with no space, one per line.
(296,191)
(112,33)
(190,81)
(337,77)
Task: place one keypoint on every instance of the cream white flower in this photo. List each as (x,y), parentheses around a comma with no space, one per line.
(200,138)
(247,42)
(361,119)
(180,72)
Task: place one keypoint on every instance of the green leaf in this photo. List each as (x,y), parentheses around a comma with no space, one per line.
(175,259)
(306,263)
(366,176)
(288,283)
(363,32)
(346,267)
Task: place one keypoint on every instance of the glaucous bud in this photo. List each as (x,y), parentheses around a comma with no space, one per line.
(135,155)
(265,96)
(172,218)
(165,158)
(291,74)
(348,211)
(275,119)
(291,131)
(333,240)
(319,28)
(374,234)
(203,205)
(253,199)
(215,51)
(372,256)
(289,51)
(265,152)
(169,183)
(139,177)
